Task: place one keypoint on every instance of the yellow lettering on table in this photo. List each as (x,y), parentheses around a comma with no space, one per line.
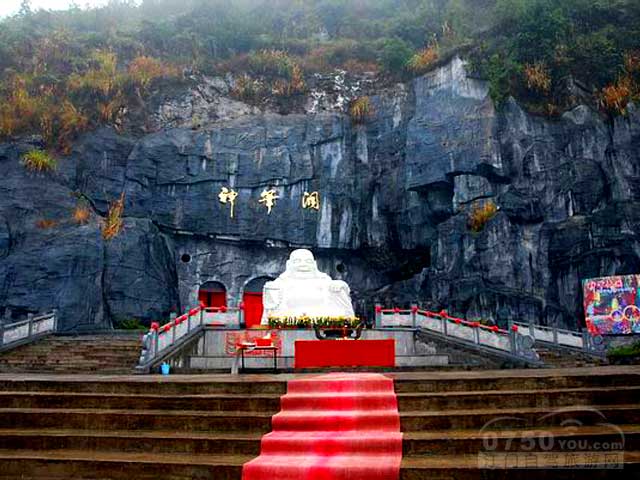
(268,198)
(311,200)
(227,195)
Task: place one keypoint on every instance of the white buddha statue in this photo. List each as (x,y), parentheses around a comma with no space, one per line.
(303,290)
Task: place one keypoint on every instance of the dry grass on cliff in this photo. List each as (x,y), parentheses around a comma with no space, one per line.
(538,77)
(114,222)
(423,60)
(38,161)
(360,110)
(480,215)
(81,215)
(46,224)
(615,98)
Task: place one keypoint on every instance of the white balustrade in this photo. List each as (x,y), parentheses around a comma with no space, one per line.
(25,330)
(509,342)
(556,336)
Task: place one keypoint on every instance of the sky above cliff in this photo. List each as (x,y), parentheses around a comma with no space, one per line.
(11,7)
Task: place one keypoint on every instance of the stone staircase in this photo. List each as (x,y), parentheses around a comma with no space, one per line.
(206,427)
(104,354)
(567,358)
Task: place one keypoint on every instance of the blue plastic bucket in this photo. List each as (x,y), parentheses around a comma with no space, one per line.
(164,368)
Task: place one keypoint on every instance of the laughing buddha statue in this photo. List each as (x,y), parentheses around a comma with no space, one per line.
(303,290)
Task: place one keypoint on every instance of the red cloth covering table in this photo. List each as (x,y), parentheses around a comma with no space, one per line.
(345,353)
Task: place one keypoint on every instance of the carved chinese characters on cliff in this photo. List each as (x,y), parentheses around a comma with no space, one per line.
(311,201)
(268,199)
(228,196)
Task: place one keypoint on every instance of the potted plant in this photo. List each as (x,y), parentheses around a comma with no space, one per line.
(332,328)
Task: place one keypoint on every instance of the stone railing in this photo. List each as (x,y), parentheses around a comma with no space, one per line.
(512,343)
(26,331)
(162,340)
(559,337)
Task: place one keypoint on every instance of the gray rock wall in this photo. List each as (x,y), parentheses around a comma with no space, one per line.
(396,193)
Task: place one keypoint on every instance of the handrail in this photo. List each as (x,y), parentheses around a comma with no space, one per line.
(163,339)
(564,338)
(25,331)
(509,343)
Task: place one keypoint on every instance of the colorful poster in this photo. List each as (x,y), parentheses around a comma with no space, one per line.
(612,305)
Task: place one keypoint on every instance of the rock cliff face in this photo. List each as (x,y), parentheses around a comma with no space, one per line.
(395,192)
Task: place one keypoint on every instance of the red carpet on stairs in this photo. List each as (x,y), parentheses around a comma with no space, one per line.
(333,427)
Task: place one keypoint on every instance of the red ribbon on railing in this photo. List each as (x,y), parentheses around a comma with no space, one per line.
(155,326)
(444,315)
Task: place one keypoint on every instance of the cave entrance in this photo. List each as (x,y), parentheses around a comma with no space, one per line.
(252,301)
(212,294)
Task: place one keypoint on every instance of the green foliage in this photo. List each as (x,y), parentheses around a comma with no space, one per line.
(624,351)
(62,72)
(585,40)
(38,161)
(394,55)
(499,74)
(132,324)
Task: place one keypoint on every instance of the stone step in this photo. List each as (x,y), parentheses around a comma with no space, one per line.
(71,361)
(521,466)
(518,398)
(458,442)
(405,383)
(80,362)
(208,402)
(246,421)
(70,350)
(37,349)
(271,402)
(108,354)
(148,384)
(69,358)
(86,369)
(97,419)
(519,380)
(156,441)
(437,442)
(82,464)
(513,418)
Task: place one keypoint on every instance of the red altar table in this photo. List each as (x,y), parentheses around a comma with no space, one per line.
(345,353)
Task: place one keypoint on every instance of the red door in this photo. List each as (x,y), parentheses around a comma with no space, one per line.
(252,309)
(212,299)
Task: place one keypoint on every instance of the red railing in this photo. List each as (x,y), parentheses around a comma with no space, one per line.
(414,310)
(155,326)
